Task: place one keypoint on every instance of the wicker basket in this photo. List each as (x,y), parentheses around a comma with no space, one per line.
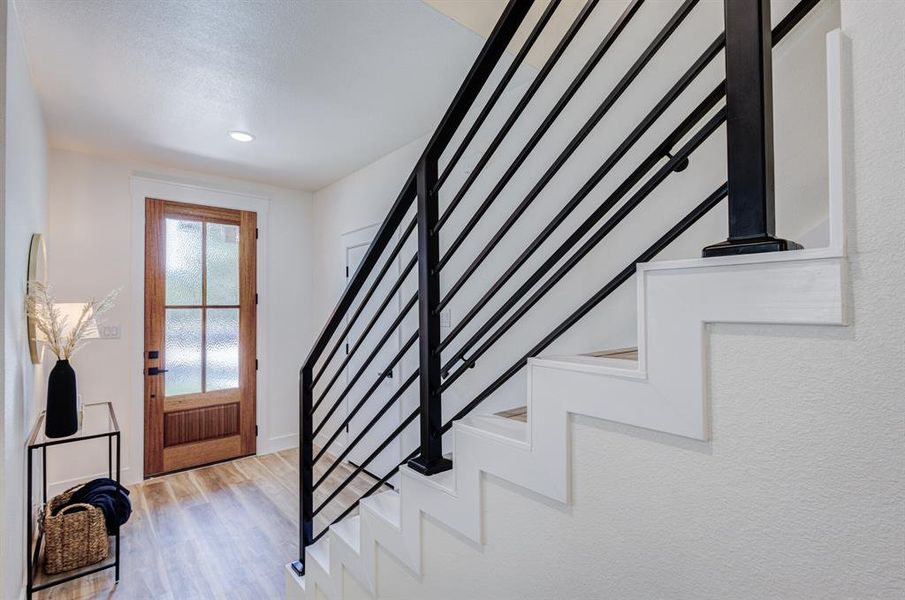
(74,537)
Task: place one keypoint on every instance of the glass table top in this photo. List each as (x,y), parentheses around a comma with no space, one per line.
(95,420)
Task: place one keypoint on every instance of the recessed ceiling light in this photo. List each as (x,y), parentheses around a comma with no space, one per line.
(241,136)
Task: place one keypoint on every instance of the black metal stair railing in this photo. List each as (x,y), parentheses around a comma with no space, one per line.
(741,103)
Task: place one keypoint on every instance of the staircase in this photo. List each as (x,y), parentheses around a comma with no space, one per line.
(660,385)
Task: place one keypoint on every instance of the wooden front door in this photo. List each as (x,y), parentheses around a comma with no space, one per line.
(200,335)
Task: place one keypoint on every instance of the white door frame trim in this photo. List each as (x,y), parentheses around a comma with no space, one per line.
(150,186)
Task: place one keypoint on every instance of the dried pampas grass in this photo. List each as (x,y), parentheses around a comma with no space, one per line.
(63,339)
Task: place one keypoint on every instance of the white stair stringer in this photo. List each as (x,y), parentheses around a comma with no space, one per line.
(664,390)
(665,394)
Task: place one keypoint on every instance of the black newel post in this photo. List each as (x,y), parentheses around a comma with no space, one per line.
(430,460)
(749,131)
(306,466)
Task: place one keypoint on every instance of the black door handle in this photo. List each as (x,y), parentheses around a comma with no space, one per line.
(155,371)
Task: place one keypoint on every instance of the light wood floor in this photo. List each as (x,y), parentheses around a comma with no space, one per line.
(223,531)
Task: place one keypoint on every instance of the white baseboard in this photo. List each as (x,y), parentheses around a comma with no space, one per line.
(125,476)
(280,442)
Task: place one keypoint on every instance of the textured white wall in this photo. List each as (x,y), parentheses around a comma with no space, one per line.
(800,493)
(90,248)
(25,213)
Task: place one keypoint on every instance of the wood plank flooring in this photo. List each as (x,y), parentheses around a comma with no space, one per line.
(223,531)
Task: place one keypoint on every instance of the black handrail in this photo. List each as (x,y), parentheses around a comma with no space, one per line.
(468,92)
(519,108)
(497,92)
(425,182)
(490,54)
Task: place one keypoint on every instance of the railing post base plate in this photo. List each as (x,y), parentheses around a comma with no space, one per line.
(298,567)
(756,246)
(430,467)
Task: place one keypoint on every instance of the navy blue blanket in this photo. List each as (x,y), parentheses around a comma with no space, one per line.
(110,497)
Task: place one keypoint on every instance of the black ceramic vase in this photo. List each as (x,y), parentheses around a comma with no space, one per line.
(62,416)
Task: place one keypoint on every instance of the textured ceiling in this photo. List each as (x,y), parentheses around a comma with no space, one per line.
(326,87)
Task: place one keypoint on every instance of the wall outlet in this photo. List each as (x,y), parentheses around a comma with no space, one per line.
(109,332)
(446,317)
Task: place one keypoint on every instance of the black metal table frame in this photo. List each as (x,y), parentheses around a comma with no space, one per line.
(32,544)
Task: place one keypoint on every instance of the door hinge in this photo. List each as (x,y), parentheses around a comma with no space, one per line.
(256,364)
(256,431)
(347,270)
(256,299)
(257,232)
(347,348)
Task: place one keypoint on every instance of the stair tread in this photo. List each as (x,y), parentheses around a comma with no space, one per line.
(514,429)
(445,481)
(386,505)
(620,353)
(519,413)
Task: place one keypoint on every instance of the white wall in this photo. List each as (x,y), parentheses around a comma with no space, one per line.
(90,250)
(24,213)
(800,125)
(800,493)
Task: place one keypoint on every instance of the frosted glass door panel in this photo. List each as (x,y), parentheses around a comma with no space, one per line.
(183,351)
(222,356)
(183,262)
(222,264)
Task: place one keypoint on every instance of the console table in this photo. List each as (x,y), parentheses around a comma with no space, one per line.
(97,421)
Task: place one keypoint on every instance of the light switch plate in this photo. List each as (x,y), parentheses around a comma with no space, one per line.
(109,332)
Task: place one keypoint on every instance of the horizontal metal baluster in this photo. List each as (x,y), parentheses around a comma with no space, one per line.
(348,418)
(391,330)
(383,409)
(497,92)
(381,240)
(667,100)
(405,423)
(712,124)
(361,337)
(364,301)
(570,148)
(792,18)
(523,103)
(596,299)
(653,159)
(370,491)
